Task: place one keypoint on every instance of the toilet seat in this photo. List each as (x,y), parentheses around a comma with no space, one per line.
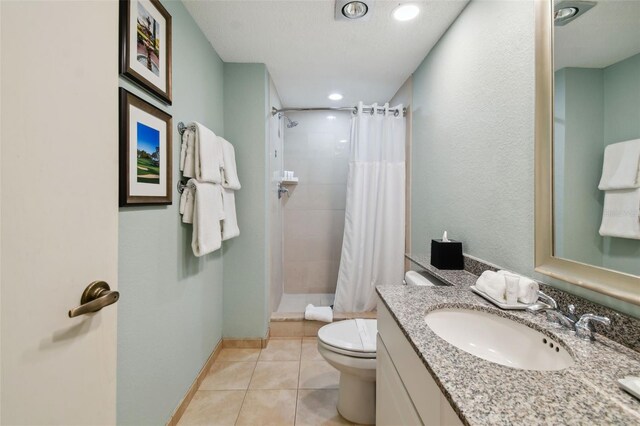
(343,337)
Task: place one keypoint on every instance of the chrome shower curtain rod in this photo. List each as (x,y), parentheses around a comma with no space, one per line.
(354,110)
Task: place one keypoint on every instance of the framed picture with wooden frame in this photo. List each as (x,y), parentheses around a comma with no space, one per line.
(145,46)
(145,153)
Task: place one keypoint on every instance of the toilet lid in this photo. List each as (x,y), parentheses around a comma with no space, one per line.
(351,335)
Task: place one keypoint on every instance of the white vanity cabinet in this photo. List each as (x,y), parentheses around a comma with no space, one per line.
(406,394)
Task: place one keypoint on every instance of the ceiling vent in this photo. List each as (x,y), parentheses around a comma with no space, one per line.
(353,10)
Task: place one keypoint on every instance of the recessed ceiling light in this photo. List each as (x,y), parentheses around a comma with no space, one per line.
(406,12)
(335,96)
(331,117)
(566,11)
(355,9)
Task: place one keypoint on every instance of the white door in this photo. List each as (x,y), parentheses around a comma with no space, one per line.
(59,214)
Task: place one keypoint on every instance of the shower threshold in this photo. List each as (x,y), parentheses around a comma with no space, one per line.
(288,320)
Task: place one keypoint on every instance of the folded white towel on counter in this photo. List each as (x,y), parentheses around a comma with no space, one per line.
(207,214)
(621,166)
(492,284)
(229,170)
(187,152)
(528,288)
(318,313)
(621,214)
(230,222)
(368,341)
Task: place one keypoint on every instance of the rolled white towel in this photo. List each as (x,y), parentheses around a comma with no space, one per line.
(492,284)
(512,283)
(528,288)
(318,313)
(528,291)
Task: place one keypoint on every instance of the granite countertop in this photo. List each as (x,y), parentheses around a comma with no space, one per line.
(482,392)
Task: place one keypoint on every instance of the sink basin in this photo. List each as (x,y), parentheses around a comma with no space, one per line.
(498,339)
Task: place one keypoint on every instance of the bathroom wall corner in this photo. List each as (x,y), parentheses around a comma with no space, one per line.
(404,96)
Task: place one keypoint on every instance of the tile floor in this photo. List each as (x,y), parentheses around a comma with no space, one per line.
(287,383)
(294,302)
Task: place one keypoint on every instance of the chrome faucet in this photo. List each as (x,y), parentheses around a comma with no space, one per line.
(548,300)
(584,326)
(565,320)
(548,305)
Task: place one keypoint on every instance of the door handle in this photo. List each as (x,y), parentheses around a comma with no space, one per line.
(96,296)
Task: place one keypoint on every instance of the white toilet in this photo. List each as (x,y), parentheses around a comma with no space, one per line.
(350,347)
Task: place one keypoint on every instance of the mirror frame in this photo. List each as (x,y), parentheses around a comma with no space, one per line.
(615,284)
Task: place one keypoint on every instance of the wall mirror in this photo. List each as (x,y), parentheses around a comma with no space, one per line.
(588,99)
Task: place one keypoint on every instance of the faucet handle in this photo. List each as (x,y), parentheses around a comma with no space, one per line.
(571,313)
(584,326)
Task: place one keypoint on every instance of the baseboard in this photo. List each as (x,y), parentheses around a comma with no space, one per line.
(256,343)
(179,411)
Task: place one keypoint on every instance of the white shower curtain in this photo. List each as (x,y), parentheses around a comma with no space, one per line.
(373,243)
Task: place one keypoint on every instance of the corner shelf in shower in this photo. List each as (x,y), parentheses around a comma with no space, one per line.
(289,181)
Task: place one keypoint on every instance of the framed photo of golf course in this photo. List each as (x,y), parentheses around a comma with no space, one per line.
(145,46)
(145,153)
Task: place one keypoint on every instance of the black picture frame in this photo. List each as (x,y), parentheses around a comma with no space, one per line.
(152,38)
(151,182)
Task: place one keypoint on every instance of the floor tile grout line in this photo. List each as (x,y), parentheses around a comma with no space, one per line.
(247,389)
(295,413)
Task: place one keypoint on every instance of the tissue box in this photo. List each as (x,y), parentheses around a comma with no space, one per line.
(447,255)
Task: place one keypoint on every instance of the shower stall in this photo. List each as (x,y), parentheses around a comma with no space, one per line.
(340,179)
(315,147)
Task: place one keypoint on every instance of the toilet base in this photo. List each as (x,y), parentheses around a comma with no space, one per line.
(357,399)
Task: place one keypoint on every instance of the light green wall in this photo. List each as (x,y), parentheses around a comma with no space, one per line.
(473,140)
(576,173)
(170,310)
(472,150)
(246,268)
(622,123)
(622,100)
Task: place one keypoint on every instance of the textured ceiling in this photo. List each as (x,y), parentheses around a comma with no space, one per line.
(309,54)
(604,35)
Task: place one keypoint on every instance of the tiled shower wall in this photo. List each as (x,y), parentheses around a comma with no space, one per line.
(317,150)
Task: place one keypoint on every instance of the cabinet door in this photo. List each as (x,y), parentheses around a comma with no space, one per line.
(393,405)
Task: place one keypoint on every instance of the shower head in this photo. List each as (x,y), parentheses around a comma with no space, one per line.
(290,123)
